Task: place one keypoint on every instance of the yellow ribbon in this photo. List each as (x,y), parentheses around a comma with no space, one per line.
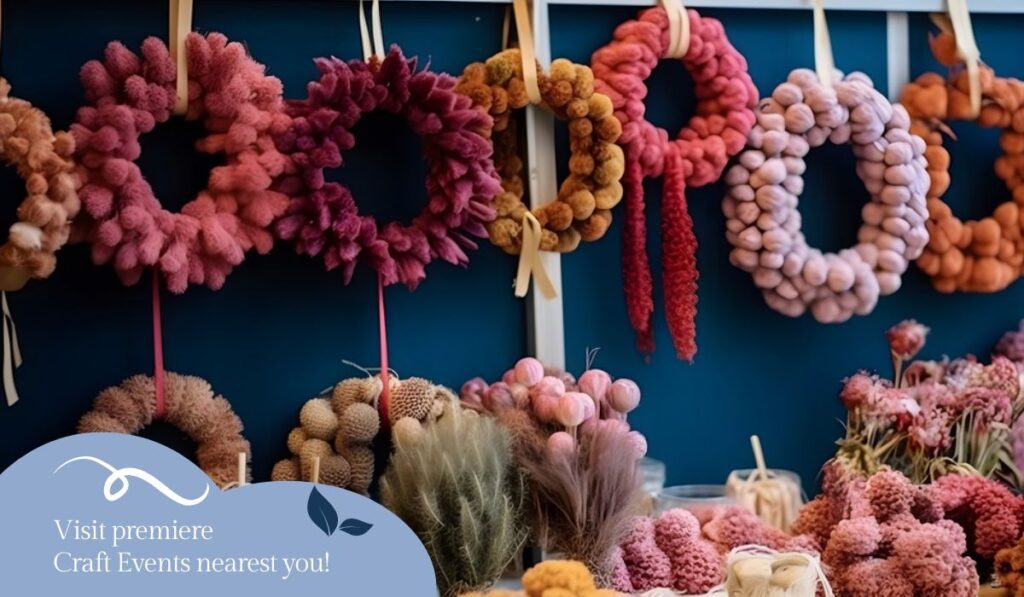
(530,264)
(678,28)
(958,22)
(525,34)
(824,63)
(373,47)
(179,26)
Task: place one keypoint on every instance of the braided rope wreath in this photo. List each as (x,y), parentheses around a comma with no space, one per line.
(696,157)
(582,209)
(983,255)
(43,159)
(206,419)
(323,218)
(763,223)
(241,109)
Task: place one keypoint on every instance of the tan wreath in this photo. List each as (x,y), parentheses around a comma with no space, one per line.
(582,209)
(43,159)
(192,407)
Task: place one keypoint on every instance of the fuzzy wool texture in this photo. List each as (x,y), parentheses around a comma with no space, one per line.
(990,514)
(241,109)
(43,159)
(764,225)
(323,218)
(984,255)
(192,407)
(696,157)
(582,209)
(458,489)
(555,578)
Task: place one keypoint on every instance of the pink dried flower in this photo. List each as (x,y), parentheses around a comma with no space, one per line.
(987,406)
(906,338)
(857,390)
(1011,345)
(987,511)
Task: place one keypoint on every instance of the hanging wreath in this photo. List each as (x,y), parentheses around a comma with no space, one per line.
(43,159)
(696,157)
(191,407)
(764,225)
(582,209)
(241,109)
(983,255)
(323,218)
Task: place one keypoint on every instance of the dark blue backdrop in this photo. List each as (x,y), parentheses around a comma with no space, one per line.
(277,332)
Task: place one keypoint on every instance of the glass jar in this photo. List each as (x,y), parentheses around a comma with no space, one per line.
(695,498)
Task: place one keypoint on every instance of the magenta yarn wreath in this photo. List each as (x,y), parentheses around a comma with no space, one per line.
(726,98)
(242,110)
(323,218)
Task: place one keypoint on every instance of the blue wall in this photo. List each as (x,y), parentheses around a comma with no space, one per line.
(277,332)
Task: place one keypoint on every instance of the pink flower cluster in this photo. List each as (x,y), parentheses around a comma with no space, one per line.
(906,338)
(242,110)
(891,539)
(556,398)
(461,184)
(990,514)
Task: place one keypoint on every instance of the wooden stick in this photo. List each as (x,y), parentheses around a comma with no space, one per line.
(241,469)
(755,443)
(316,470)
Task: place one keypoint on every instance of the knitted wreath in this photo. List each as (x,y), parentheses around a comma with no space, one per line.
(582,209)
(340,430)
(191,407)
(43,159)
(241,109)
(985,255)
(323,218)
(696,157)
(762,220)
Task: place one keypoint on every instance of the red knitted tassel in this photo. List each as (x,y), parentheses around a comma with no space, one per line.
(636,268)
(679,260)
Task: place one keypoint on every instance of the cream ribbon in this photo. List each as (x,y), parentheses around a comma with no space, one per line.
(529,261)
(12,351)
(824,64)
(373,47)
(180,25)
(526,50)
(678,28)
(958,22)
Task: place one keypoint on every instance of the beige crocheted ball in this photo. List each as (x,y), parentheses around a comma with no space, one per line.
(296,438)
(335,471)
(360,458)
(286,470)
(359,423)
(356,389)
(407,431)
(318,419)
(310,450)
(412,398)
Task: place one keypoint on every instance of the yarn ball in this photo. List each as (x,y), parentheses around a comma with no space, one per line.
(528,371)
(318,419)
(764,225)
(413,397)
(335,471)
(561,442)
(296,438)
(624,395)
(693,158)
(241,110)
(571,410)
(286,470)
(582,209)
(596,383)
(359,423)
(356,389)
(360,459)
(323,218)
(192,407)
(984,255)
(43,159)
(311,450)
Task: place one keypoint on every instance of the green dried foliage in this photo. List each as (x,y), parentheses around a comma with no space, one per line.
(456,486)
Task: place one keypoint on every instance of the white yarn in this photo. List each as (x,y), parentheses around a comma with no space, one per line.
(768,562)
(26,236)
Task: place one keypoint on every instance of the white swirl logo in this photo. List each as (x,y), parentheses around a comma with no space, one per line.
(123,474)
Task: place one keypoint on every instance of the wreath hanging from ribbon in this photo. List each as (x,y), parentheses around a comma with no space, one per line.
(984,255)
(323,219)
(190,405)
(696,157)
(242,110)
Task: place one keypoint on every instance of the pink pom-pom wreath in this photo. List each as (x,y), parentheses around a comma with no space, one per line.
(529,371)
(695,157)
(596,383)
(763,223)
(624,395)
(323,218)
(242,111)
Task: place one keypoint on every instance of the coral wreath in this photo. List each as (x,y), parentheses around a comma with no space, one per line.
(323,218)
(762,220)
(43,160)
(206,419)
(582,209)
(985,255)
(241,108)
(726,98)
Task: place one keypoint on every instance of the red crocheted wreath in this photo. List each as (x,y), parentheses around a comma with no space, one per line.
(241,108)
(323,218)
(726,99)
